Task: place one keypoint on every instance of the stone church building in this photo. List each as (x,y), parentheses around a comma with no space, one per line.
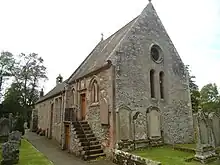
(131,89)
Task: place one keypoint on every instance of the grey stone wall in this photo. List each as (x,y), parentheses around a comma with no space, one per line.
(121,157)
(102,132)
(133,64)
(74,143)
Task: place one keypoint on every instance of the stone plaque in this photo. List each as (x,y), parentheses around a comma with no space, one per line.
(141,127)
(104,111)
(125,123)
(215,124)
(4,127)
(154,124)
(203,132)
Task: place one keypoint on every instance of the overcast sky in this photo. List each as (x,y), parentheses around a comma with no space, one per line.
(64,32)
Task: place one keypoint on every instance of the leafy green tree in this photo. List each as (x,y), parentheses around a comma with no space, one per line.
(12,101)
(7,62)
(210,98)
(28,72)
(194,91)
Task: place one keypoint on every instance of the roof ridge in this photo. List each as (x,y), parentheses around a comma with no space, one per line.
(84,60)
(123,36)
(102,41)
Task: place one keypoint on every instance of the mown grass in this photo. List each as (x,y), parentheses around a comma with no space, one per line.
(191,146)
(30,156)
(168,156)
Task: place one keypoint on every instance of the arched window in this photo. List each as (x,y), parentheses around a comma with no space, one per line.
(94,92)
(152,90)
(161,75)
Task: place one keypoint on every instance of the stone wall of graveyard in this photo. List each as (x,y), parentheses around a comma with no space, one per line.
(100,114)
(121,157)
(133,65)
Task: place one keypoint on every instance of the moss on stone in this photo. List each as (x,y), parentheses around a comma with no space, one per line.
(168,156)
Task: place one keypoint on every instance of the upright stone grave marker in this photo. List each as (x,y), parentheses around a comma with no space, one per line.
(215,124)
(205,150)
(10,153)
(15,136)
(4,129)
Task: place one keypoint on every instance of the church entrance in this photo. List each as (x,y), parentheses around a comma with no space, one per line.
(67,137)
(83,105)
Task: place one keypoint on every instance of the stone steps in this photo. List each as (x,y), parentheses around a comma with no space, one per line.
(93,156)
(91,147)
(96,142)
(84,136)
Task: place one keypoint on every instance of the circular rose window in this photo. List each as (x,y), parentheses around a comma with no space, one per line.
(156,54)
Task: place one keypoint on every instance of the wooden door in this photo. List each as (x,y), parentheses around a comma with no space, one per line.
(67,136)
(51,121)
(83,106)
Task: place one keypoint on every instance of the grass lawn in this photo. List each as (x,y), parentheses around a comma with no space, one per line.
(167,156)
(30,156)
(191,146)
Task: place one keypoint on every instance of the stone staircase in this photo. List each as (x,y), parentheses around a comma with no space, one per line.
(90,146)
(156,142)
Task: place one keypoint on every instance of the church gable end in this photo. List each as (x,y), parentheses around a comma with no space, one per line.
(147,47)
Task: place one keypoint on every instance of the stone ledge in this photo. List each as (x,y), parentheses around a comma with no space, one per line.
(185,149)
(121,157)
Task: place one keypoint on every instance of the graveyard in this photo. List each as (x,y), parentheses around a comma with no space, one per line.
(29,155)
(204,150)
(14,148)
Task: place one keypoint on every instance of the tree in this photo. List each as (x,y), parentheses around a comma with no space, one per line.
(12,100)
(7,62)
(28,72)
(194,91)
(210,98)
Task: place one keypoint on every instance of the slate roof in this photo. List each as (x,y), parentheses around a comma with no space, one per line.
(101,52)
(99,55)
(94,60)
(56,90)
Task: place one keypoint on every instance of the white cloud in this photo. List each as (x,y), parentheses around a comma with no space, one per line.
(64,32)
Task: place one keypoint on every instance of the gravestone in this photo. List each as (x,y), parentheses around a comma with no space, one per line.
(140,127)
(205,150)
(154,122)
(104,111)
(10,153)
(15,136)
(4,129)
(125,123)
(215,124)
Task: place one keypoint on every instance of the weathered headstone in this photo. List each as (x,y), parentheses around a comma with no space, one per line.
(205,150)
(215,124)
(4,129)
(104,111)
(154,124)
(15,136)
(125,123)
(140,125)
(10,153)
